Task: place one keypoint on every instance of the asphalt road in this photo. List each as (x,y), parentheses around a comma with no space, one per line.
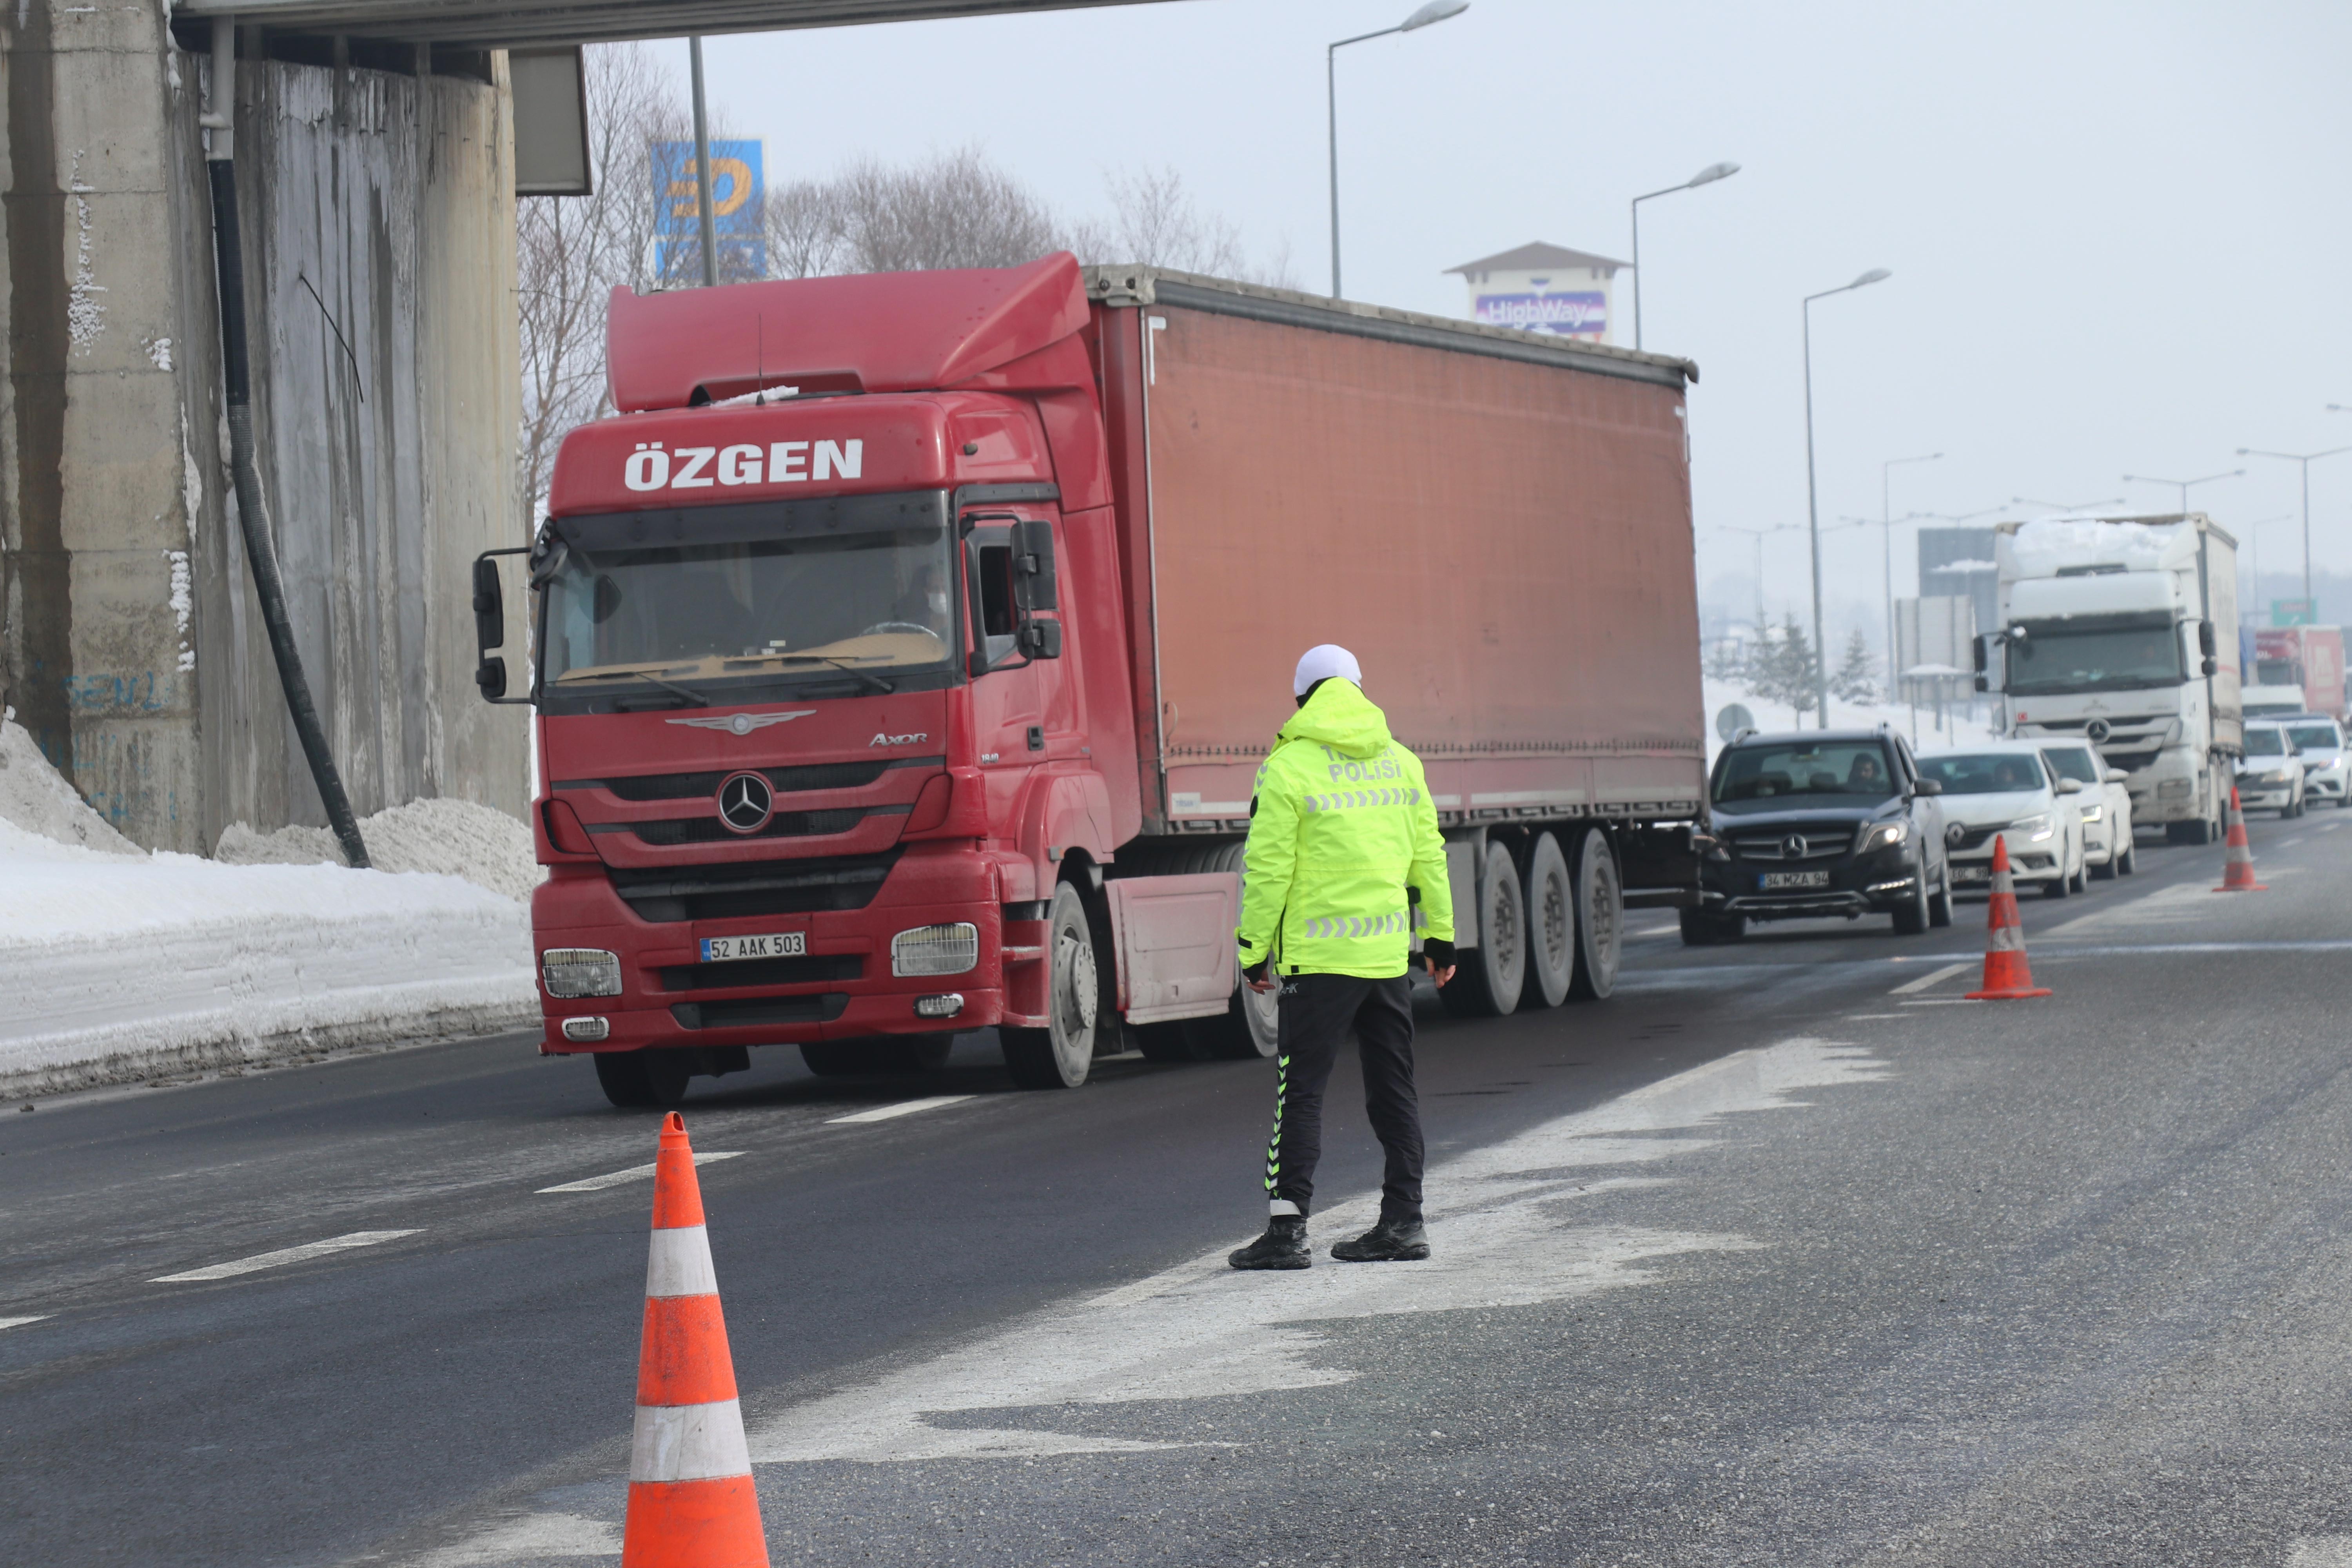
(1786,1255)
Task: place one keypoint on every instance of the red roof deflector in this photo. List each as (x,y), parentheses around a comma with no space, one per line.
(877,331)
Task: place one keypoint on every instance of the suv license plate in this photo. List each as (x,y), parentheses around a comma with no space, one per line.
(1971,873)
(775,944)
(1775,880)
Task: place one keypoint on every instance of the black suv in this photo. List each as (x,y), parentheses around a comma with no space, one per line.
(1818,823)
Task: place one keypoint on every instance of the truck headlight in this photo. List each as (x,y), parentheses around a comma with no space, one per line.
(1886,836)
(571,972)
(936,950)
(2092,813)
(2036,827)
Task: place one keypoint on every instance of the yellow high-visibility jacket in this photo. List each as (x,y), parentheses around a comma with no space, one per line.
(1342,826)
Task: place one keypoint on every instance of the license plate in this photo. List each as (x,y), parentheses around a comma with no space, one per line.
(1971,873)
(1774,880)
(775,945)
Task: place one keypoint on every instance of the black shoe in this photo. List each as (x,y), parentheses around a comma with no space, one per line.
(1283,1245)
(1390,1241)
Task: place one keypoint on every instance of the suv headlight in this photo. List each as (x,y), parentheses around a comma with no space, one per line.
(570,972)
(2036,827)
(936,950)
(1886,836)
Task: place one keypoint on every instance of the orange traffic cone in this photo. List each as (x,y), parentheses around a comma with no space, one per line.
(2006,977)
(691,1504)
(2238,870)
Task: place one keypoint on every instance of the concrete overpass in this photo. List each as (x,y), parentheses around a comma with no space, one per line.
(375,143)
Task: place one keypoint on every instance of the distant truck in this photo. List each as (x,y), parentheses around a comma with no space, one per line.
(2123,630)
(905,649)
(2296,669)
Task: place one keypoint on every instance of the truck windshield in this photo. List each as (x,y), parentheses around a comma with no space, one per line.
(749,604)
(2052,660)
(1764,778)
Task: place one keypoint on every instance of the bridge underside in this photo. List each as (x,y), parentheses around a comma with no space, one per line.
(518,23)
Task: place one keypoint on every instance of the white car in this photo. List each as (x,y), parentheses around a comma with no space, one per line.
(2008,789)
(2104,808)
(2327,769)
(2270,775)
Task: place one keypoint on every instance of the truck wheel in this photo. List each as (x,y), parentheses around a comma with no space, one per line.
(1600,919)
(2189,832)
(1550,898)
(1247,1030)
(1059,1056)
(1490,976)
(622,1075)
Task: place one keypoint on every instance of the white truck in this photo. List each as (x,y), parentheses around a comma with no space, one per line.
(2123,631)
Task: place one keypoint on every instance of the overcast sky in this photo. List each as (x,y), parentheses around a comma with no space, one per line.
(2119,233)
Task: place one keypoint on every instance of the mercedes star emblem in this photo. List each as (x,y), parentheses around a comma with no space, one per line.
(1793,847)
(2097,730)
(745,802)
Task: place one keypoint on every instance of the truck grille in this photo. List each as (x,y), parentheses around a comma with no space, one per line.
(808,969)
(784,825)
(818,1009)
(1818,842)
(753,888)
(686,786)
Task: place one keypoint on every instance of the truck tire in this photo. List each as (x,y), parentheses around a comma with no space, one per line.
(2189,832)
(622,1075)
(1549,897)
(1488,978)
(1600,919)
(1060,1055)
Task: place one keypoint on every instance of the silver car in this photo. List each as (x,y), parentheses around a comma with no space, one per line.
(2270,775)
(2327,769)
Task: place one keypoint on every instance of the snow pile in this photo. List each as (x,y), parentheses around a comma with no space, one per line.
(1959,730)
(450,837)
(118,966)
(2038,549)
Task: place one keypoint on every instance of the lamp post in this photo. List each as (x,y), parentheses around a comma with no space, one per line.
(702,170)
(1812,491)
(2306,459)
(2253,536)
(1435,11)
(2182,484)
(1886,522)
(1705,177)
(1758,534)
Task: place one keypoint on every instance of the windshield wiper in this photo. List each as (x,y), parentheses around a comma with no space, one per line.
(875,681)
(693,699)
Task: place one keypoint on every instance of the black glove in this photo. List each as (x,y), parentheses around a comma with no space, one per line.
(1255,972)
(1439,951)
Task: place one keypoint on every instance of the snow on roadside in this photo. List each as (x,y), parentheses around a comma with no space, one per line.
(118,965)
(454,838)
(1774,719)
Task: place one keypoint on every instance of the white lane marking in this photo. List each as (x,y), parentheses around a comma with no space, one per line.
(1869,1017)
(2177,905)
(2291,842)
(903,1108)
(2320,1552)
(286,1254)
(2327,827)
(529,1539)
(1930,981)
(1503,1222)
(20,1322)
(637,1173)
(1945,1002)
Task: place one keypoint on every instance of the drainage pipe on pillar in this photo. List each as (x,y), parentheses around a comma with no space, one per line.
(702,172)
(260,545)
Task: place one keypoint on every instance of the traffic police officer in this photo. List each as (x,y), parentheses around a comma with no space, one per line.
(1344,859)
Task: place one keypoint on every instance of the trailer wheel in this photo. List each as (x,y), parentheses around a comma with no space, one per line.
(1059,1056)
(1551,898)
(622,1075)
(1600,919)
(1490,976)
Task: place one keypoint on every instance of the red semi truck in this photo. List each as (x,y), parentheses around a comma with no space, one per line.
(905,648)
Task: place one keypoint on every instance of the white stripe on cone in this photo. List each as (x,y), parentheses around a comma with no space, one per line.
(689,1442)
(679,1263)
(2007,939)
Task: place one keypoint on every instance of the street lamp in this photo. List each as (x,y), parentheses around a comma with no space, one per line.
(2067,506)
(2307,459)
(1886,522)
(1435,11)
(2183,484)
(1812,492)
(2253,536)
(1758,534)
(1705,177)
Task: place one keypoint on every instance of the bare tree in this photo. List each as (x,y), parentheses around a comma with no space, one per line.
(958,210)
(1155,221)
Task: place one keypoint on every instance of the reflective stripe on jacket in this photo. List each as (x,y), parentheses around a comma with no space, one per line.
(1341,826)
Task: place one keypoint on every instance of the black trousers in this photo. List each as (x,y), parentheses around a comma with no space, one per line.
(1319,1011)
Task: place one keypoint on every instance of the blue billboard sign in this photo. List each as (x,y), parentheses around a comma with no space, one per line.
(737,183)
(1576,315)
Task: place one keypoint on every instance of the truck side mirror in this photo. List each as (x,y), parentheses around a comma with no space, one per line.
(1034,588)
(2205,644)
(490,675)
(2212,666)
(1040,639)
(491,626)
